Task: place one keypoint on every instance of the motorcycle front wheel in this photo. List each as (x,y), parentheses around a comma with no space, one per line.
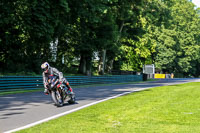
(57,98)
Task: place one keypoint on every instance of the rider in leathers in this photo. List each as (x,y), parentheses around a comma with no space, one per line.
(51,71)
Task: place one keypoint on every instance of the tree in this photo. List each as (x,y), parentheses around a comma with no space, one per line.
(139,34)
(27,30)
(178,48)
(93,29)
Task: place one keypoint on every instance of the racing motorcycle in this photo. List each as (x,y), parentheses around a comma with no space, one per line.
(59,92)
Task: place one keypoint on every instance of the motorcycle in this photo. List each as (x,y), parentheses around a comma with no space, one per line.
(59,92)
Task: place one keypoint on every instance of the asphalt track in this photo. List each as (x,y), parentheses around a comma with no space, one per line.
(19,110)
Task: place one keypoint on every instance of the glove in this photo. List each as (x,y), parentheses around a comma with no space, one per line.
(46,92)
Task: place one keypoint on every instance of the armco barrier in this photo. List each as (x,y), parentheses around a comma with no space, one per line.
(10,83)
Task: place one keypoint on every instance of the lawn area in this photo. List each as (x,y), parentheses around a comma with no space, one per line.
(168,109)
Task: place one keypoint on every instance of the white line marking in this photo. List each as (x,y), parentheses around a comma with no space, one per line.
(73,110)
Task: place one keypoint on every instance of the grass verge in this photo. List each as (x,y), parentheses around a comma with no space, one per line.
(167,109)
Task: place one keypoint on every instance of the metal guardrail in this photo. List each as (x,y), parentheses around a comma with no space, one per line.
(11,83)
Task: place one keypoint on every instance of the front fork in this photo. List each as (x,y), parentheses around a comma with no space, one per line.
(58,92)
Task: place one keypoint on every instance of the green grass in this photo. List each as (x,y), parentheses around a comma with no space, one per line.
(168,109)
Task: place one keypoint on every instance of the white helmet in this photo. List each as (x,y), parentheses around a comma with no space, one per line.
(45,66)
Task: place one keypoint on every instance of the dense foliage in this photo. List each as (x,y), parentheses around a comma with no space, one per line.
(100,35)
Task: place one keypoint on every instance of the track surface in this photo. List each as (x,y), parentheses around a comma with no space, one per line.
(22,109)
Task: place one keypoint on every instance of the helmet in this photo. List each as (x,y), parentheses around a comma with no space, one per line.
(45,66)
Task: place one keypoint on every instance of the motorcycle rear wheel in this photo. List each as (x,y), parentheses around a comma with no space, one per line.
(72,100)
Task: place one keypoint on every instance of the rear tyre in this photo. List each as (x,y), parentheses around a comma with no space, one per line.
(72,99)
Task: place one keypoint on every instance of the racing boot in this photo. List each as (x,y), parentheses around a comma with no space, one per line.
(69,89)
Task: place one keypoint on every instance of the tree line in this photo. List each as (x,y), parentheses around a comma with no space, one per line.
(100,35)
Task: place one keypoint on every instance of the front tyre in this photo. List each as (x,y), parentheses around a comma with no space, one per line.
(57,99)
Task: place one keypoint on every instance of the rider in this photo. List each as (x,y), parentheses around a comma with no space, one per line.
(51,71)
